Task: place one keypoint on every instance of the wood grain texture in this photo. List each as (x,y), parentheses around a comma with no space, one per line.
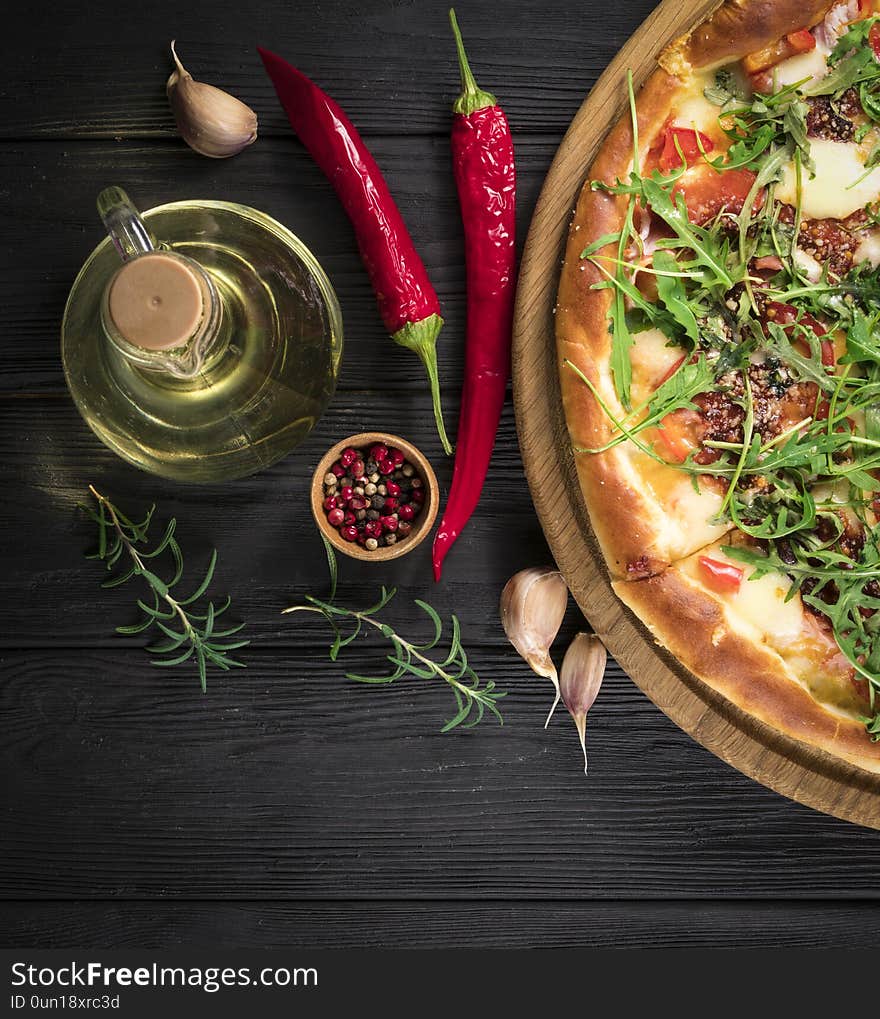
(796,770)
(389,63)
(548,924)
(296,807)
(49,189)
(269,551)
(286,781)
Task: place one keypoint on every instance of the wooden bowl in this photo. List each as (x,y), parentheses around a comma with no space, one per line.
(421,525)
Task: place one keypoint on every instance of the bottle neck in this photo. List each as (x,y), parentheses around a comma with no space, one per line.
(162,313)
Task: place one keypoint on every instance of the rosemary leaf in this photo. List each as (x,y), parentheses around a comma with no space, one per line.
(472,699)
(119,536)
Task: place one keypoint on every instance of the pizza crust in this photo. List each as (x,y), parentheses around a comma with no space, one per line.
(690,622)
(739,27)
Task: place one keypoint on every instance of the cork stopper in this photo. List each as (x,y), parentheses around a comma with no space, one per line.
(156,301)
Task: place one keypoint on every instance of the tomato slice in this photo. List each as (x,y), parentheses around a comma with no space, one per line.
(721,577)
(707,192)
(874,39)
(802,41)
(677,434)
(692,144)
(829,358)
(788,315)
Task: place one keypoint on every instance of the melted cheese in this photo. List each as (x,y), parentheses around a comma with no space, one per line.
(758,607)
(683,513)
(695,111)
(833,192)
(811,65)
(651,359)
(807,265)
(762,605)
(869,249)
(759,612)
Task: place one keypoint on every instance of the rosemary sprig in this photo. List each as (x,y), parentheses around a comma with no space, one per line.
(472,698)
(182,627)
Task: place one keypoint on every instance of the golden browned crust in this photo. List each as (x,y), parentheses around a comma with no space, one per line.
(689,621)
(739,27)
(583,339)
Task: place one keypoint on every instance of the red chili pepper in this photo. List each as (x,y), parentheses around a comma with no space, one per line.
(720,576)
(407,302)
(482,153)
(692,144)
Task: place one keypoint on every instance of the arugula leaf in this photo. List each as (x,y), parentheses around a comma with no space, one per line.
(808,369)
(710,249)
(851,61)
(724,89)
(671,291)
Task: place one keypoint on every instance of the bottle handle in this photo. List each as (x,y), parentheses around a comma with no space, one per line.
(127,230)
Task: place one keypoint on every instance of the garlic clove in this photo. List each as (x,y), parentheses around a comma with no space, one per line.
(533,605)
(209,120)
(580,677)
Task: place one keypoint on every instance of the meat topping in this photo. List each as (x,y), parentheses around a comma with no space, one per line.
(825,120)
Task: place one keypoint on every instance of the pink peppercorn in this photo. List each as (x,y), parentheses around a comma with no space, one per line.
(388,523)
(357,503)
(348,457)
(385,467)
(345,493)
(335,517)
(406,512)
(349,518)
(338,469)
(396,456)
(418,495)
(357,468)
(378,452)
(392,487)
(330,502)
(390,504)
(349,533)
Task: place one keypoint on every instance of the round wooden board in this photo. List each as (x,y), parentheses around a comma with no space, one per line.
(793,769)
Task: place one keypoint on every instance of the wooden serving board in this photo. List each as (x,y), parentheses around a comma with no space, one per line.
(791,768)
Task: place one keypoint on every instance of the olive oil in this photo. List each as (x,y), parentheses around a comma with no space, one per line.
(265,375)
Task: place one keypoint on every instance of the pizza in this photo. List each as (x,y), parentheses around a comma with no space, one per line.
(718,337)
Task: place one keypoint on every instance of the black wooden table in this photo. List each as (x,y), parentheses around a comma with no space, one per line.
(288,805)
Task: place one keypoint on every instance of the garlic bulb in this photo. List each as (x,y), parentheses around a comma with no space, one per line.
(533,604)
(580,678)
(210,120)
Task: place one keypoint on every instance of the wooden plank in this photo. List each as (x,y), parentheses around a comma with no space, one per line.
(391,66)
(49,190)
(548,924)
(269,552)
(286,781)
